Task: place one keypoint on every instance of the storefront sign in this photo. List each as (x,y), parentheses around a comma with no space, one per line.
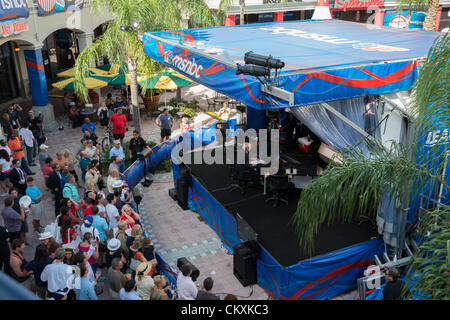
(357,4)
(11,27)
(48,7)
(395,19)
(13,9)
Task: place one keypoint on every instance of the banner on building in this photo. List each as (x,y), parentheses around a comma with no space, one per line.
(399,19)
(11,27)
(48,7)
(13,9)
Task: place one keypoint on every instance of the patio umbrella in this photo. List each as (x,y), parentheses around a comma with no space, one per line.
(71,72)
(68,84)
(166,80)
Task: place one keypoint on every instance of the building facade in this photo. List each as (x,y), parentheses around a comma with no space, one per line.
(38,39)
(380,12)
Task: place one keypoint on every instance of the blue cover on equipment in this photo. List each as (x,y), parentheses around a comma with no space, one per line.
(325,60)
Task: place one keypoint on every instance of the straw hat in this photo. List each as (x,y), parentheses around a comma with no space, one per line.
(144,267)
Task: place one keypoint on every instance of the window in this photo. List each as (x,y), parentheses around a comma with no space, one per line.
(7,74)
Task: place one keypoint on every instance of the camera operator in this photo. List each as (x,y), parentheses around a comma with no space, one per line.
(37,127)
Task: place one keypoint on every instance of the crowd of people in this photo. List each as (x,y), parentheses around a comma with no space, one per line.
(97,227)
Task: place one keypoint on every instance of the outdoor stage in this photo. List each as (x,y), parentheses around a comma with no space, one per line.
(274,227)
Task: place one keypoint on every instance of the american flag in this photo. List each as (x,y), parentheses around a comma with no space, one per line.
(47,5)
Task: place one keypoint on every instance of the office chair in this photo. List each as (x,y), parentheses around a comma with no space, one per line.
(278,185)
(235,181)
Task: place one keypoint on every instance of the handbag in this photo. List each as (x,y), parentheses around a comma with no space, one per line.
(134,264)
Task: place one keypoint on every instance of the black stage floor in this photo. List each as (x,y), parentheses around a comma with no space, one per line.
(273,225)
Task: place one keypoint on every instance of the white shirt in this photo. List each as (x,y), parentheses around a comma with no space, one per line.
(6,165)
(27,136)
(90,152)
(187,289)
(58,276)
(90,229)
(112,212)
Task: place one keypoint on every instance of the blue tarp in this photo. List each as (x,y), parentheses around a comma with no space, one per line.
(325,60)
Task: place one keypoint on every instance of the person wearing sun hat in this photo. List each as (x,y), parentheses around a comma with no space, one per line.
(114,251)
(144,280)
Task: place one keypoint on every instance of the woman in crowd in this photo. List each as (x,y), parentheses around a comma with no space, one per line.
(148,249)
(159,291)
(5,168)
(112,178)
(68,233)
(74,115)
(91,248)
(89,187)
(99,200)
(47,239)
(144,280)
(93,174)
(41,259)
(128,215)
(69,257)
(17,264)
(136,232)
(122,236)
(114,250)
(47,168)
(73,207)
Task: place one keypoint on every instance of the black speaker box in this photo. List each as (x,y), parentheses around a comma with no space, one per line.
(244,262)
(182,188)
(195,272)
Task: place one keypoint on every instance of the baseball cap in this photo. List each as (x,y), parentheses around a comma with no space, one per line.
(89,141)
(116,141)
(43,147)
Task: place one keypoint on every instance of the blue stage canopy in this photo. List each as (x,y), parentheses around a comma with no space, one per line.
(325,60)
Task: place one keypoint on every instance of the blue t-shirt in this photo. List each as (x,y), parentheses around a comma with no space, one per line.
(86,290)
(89,126)
(165,121)
(133,295)
(101,225)
(37,269)
(33,192)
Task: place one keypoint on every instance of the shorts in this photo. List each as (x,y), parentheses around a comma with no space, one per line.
(37,210)
(118,136)
(165,133)
(4,175)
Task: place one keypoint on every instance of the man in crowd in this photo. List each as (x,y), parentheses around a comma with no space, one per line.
(36,206)
(84,163)
(43,155)
(18,178)
(101,225)
(88,125)
(37,127)
(14,117)
(112,212)
(187,290)
(6,125)
(58,276)
(165,122)
(394,287)
(13,219)
(18,154)
(116,278)
(117,151)
(119,123)
(30,143)
(206,292)
(137,145)
(55,183)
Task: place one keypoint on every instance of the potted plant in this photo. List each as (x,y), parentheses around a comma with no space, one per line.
(151,99)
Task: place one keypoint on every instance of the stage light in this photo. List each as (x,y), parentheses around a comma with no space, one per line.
(257,71)
(126,28)
(264,61)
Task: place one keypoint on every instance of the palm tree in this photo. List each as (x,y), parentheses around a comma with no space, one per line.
(353,190)
(432,7)
(125,47)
